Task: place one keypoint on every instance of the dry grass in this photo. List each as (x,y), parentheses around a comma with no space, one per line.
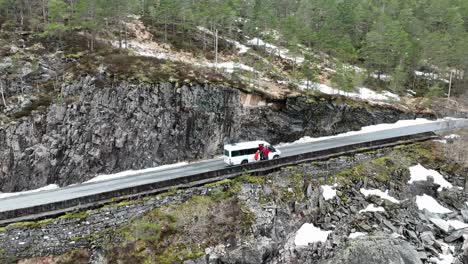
(457,149)
(176,233)
(80,256)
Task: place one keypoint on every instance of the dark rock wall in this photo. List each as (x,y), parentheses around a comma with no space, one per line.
(99,129)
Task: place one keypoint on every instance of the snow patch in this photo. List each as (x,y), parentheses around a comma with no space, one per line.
(456,224)
(383,195)
(308,233)
(133,172)
(242,48)
(427,202)
(45,188)
(146,49)
(452,136)
(281,52)
(357,234)
(440,223)
(372,208)
(361,92)
(447,254)
(328,192)
(419,173)
(230,67)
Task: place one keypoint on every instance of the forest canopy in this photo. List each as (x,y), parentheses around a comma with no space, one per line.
(391,37)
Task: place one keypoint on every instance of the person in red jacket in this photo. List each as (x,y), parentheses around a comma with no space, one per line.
(266,151)
(262,153)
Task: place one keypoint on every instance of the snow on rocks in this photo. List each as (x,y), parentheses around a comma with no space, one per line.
(379,193)
(447,138)
(419,173)
(328,192)
(372,208)
(308,233)
(440,223)
(447,254)
(357,234)
(45,188)
(445,225)
(430,204)
(457,224)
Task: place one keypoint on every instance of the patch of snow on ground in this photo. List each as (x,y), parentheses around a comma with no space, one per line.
(443,141)
(230,66)
(366,129)
(383,195)
(443,259)
(282,53)
(361,92)
(357,234)
(308,233)
(242,48)
(427,202)
(429,75)
(372,208)
(147,49)
(328,192)
(45,188)
(133,172)
(447,254)
(452,136)
(419,173)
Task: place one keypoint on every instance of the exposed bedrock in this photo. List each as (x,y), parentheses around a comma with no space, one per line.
(93,128)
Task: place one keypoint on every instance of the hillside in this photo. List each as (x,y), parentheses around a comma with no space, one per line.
(93,88)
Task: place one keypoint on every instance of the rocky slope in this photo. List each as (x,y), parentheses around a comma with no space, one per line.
(91,127)
(258,219)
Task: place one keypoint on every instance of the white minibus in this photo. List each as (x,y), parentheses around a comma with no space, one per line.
(243,153)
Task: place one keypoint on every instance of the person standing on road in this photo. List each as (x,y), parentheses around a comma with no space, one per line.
(266,152)
(262,153)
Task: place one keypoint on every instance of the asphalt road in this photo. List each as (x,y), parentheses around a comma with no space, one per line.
(76,191)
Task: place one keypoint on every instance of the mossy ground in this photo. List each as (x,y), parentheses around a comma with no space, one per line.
(179,232)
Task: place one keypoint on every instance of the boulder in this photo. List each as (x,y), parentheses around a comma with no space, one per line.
(371,250)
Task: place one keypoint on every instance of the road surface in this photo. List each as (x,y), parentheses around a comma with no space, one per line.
(87,189)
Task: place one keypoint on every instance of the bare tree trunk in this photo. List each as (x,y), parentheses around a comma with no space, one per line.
(120,36)
(449,90)
(22,18)
(126,37)
(204,40)
(165,29)
(44,12)
(216,49)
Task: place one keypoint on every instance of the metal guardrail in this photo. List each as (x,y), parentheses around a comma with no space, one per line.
(260,168)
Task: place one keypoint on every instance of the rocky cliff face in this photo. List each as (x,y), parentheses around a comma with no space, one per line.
(94,128)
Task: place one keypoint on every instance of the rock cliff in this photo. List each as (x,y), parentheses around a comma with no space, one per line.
(91,127)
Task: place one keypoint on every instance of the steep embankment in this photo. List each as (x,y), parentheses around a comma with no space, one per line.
(94,128)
